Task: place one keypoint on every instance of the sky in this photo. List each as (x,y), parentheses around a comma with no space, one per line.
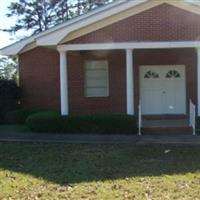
(5,22)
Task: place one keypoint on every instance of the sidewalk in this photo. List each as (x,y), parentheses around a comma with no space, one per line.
(98,139)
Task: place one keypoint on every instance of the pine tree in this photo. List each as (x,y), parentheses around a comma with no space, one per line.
(35,15)
(40,15)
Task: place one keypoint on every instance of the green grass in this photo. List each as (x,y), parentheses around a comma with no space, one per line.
(58,171)
(14,128)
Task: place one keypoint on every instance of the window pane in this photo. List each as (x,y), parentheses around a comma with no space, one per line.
(97,83)
(94,65)
(96,78)
(96,74)
(97,92)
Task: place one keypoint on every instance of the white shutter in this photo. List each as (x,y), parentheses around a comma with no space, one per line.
(96,78)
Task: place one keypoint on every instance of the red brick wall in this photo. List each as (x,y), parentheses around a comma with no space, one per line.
(39,78)
(161,23)
(187,57)
(39,81)
(116,102)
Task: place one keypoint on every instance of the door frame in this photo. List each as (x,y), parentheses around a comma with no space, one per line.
(170,115)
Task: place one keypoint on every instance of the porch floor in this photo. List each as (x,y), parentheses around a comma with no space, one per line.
(166,123)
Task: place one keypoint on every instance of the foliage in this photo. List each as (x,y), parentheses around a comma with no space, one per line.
(19,116)
(105,124)
(84,6)
(40,15)
(37,15)
(9,96)
(198,125)
(8,68)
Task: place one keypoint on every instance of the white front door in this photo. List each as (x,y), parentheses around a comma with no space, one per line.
(162,89)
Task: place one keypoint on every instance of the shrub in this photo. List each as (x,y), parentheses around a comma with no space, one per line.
(9,96)
(105,124)
(19,116)
(198,125)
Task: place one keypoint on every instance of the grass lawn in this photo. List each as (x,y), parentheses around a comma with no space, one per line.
(59,171)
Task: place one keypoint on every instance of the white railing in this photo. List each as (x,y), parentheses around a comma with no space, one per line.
(192,117)
(139,118)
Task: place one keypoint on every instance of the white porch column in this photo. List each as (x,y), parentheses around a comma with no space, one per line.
(64,102)
(129,82)
(198,80)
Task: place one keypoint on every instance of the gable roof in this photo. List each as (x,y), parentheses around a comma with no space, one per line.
(91,21)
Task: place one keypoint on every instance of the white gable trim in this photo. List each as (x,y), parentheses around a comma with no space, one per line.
(191,7)
(15,48)
(103,22)
(56,37)
(129,45)
(128,13)
(92,21)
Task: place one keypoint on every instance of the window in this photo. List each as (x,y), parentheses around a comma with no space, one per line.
(151,74)
(173,74)
(96,78)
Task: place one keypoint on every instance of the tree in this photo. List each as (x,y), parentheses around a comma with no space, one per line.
(64,11)
(40,15)
(8,68)
(84,6)
(35,15)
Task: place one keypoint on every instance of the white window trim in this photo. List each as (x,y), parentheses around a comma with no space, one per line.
(85,81)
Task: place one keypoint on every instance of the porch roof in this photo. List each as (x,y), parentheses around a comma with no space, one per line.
(129,45)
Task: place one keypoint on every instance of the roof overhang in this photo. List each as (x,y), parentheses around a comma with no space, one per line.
(129,45)
(89,22)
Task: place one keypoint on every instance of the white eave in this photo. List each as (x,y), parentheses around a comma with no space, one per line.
(57,34)
(54,35)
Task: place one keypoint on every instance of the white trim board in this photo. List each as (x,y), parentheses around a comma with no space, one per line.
(129,45)
(130,11)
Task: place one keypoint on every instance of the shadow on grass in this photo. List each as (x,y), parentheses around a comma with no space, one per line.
(64,164)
